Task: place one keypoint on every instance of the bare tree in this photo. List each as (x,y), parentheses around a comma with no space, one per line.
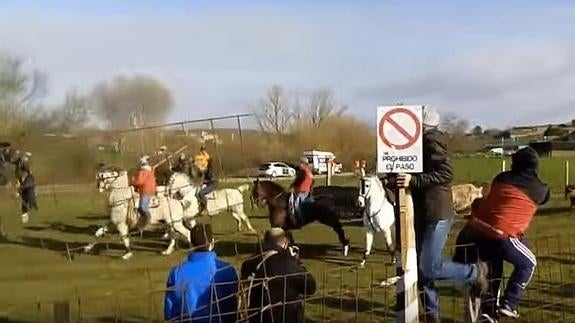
(18,89)
(320,106)
(73,114)
(273,114)
(119,100)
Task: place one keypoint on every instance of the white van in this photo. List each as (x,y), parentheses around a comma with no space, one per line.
(318,161)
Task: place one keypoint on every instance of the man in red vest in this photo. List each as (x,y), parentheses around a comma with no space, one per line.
(302,186)
(500,224)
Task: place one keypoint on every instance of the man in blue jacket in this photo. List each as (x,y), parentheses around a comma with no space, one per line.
(202,289)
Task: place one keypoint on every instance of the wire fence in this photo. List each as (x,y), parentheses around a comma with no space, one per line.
(340,294)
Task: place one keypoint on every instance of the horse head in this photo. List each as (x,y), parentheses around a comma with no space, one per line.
(266,192)
(369,187)
(180,184)
(106,180)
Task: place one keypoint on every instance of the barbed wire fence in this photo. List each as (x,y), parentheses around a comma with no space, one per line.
(343,294)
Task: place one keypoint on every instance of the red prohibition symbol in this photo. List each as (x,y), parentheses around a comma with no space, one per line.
(411,138)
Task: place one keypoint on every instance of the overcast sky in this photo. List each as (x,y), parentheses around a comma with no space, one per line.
(496,63)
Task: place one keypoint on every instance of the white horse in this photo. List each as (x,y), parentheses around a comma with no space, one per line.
(378,215)
(229,199)
(122,204)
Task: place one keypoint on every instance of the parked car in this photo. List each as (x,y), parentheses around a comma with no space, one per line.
(276,169)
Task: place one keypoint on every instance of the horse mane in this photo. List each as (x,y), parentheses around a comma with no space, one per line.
(272,185)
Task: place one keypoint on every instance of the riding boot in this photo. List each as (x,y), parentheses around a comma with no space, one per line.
(143,220)
(203,206)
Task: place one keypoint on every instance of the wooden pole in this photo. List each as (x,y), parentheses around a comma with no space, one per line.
(240,133)
(566,173)
(184,147)
(329,171)
(406,288)
(503,162)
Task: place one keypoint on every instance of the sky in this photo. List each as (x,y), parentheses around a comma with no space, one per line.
(494,63)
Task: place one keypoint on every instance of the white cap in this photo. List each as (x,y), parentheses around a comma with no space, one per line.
(431,117)
(144,160)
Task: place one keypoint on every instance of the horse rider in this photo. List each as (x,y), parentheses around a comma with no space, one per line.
(27,192)
(182,165)
(301,186)
(209,182)
(23,164)
(145,184)
(202,159)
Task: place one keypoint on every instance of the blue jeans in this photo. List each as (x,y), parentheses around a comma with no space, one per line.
(300,198)
(430,241)
(207,189)
(144,205)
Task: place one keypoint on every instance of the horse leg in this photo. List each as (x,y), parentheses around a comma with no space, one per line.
(338,228)
(239,224)
(102,230)
(369,237)
(243,218)
(123,230)
(390,242)
(181,228)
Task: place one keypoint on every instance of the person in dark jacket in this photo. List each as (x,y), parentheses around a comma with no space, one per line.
(27,192)
(209,183)
(433,217)
(500,225)
(203,288)
(182,165)
(22,164)
(277,278)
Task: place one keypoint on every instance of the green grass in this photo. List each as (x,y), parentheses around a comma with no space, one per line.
(35,270)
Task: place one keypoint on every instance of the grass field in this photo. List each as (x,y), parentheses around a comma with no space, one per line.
(101,288)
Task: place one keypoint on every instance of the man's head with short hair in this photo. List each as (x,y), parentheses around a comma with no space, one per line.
(276,237)
(202,237)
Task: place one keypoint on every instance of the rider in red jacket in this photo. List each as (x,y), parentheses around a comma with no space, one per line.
(302,184)
(145,184)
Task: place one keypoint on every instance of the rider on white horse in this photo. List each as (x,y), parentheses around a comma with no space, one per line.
(209,185)
(145,184)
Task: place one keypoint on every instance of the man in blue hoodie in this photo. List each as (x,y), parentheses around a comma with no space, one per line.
(202,289)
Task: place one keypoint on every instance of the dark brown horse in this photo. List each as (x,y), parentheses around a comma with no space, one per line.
(277,199)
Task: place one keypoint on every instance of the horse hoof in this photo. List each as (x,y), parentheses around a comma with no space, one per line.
(362,264)
(166,236)
(25,219)
(99,233)
(166,253)
(345,250)
(88,248)
(127,256)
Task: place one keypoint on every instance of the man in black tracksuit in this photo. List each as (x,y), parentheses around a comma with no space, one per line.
(277,278)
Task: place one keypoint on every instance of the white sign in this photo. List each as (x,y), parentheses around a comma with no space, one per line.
(399,143)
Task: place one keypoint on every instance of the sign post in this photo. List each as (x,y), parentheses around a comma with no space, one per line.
(400,150)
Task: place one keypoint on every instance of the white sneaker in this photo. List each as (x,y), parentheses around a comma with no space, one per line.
(25,218)
(507,311)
